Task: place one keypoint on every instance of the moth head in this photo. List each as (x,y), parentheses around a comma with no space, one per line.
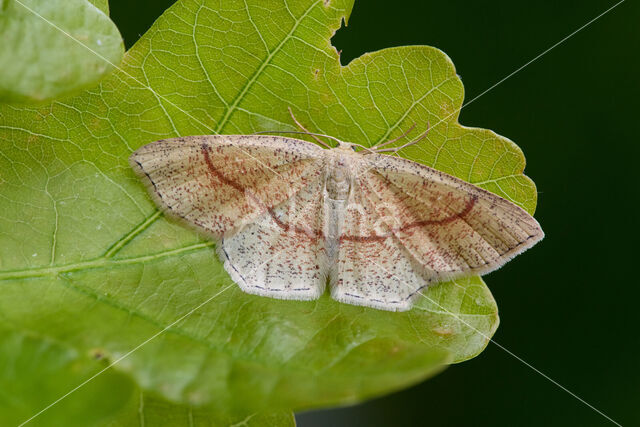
(347,146)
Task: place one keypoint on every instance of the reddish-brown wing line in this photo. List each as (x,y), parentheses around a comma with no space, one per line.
(289,216)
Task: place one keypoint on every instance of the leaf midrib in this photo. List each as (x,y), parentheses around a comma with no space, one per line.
(100,262)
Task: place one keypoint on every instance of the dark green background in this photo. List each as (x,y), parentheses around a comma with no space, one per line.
(570,306)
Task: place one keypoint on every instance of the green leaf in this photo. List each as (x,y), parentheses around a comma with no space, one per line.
(36,371)
(39,56)
(86,258)
(103,5)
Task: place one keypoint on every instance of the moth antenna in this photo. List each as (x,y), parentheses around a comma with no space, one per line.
(367,150)
(305,129)
(395,139)
(415,141)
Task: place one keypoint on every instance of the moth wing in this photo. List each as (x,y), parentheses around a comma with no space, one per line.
(221,183)
(408,225)
(372,269)
(450,227)
(281,254)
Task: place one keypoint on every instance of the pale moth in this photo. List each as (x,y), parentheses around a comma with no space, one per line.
(289,216)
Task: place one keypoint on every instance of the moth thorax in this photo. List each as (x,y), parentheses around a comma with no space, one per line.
(338,181)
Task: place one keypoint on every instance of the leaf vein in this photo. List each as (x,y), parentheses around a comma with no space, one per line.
(264,65)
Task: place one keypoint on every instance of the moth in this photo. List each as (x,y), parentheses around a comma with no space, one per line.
(290,216)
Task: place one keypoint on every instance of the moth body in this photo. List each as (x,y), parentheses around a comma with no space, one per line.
(337,186)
